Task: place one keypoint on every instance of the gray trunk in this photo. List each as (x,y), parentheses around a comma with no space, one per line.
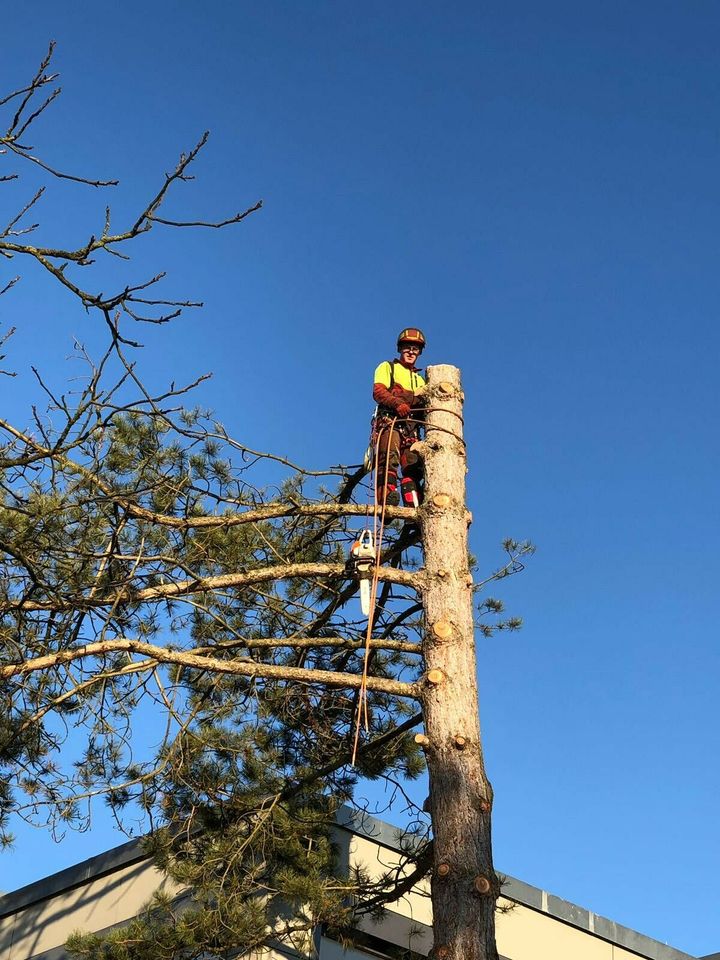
(464,885)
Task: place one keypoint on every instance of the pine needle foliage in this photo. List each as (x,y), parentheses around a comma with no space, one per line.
(180,636)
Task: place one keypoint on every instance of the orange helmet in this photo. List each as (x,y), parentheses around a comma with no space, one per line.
(411,335)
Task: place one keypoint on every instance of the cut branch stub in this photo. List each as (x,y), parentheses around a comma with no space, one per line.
(446,388)
(482,885)
(441,500)
(459,742)
(443,869)
(420,449)
(435,677)
(442,630)
(422,740)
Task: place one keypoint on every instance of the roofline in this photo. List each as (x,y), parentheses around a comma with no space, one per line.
(365,825)
(90,869)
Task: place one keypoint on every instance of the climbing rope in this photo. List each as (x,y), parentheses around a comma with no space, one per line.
(362,712)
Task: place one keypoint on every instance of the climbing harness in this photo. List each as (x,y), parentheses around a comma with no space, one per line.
(366,551)
(406,430)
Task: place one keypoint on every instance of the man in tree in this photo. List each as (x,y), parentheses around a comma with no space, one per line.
(143,576)
(396,390)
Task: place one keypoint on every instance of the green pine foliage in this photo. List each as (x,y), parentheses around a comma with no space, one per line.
(229,792)
(148,662)
(239,784)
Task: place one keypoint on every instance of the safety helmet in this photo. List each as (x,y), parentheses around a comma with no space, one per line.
(411,335)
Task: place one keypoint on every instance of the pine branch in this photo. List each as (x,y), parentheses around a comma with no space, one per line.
(242,668)
(169,591)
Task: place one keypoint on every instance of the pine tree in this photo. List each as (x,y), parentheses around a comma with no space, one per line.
(154,571)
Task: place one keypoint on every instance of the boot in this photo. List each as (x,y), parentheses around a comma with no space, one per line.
(388,496)
(410,492)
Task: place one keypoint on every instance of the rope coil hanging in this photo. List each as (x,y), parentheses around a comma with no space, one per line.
(374,538)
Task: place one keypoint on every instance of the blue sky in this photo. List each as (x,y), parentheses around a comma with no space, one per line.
(536,186)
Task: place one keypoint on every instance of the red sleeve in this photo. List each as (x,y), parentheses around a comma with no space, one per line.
(382,395)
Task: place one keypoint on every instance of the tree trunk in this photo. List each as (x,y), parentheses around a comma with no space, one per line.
(464,885)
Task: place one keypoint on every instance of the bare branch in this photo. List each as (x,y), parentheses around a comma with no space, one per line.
(39,80)
(169,591)
(33,116)
(206,223)
(244,668)
(19,152)
(272,511)
(8,231)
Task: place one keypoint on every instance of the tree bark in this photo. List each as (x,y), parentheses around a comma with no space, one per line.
(464,885)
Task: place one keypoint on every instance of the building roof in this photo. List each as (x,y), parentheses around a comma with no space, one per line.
(394,929)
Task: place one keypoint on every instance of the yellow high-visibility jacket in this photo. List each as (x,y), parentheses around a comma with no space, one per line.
(390,372)
(395,384)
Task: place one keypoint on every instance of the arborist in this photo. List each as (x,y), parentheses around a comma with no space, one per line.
(397,422)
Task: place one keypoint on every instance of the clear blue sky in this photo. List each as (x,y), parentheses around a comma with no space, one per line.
(536,186)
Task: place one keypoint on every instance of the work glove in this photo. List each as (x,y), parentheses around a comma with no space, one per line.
(403,410)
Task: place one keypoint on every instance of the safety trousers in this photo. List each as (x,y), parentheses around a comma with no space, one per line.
(394,455)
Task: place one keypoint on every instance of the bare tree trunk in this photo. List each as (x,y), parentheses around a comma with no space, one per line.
(464,885)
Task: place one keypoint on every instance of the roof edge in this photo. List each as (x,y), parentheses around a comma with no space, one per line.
(371,828)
